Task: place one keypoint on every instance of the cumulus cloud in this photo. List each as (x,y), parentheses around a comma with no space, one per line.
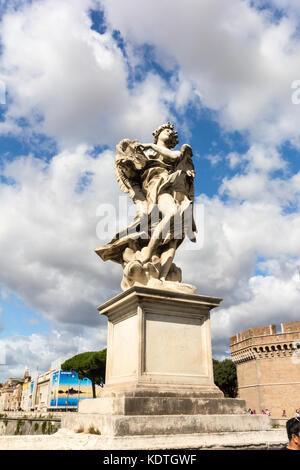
(38,350)
(238,60)
(70,82)
(47,235)
(48,232)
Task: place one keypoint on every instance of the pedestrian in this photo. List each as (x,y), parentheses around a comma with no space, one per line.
(268,412)
(263,412)
(293,432)
(283,414)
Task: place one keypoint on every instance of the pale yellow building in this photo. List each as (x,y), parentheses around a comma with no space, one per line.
(42,391)
(10,394)
(26,392)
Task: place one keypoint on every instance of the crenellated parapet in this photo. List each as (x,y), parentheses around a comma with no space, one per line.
(265,352)
(268,367)
(265,342)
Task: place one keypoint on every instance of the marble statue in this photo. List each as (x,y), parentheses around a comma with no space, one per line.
(160,181)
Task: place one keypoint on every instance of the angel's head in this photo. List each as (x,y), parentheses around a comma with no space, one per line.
(167,134)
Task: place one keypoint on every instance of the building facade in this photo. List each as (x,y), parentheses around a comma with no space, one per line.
(40,401)
(10,394)
(268,367)
(25,394)
(52,390)
(55,390)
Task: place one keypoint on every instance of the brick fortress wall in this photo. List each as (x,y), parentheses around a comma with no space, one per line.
(268,367)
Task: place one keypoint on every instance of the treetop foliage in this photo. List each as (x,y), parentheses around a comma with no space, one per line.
(89,364)
(225,377)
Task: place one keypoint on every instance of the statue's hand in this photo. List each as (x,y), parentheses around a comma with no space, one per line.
(147,146)
(153,153)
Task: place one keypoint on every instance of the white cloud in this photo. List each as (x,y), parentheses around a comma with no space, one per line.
(69,81)
(264,158)
(250,255)
(37,351)
(214,159)
(273,300)
(48,232)
(235,59)
(47,235)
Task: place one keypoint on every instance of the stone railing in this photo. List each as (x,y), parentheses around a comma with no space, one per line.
(13,425)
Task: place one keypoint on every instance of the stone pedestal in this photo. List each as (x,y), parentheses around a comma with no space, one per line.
(159,374)
(159,343)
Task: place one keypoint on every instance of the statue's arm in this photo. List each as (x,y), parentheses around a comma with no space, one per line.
(165,152)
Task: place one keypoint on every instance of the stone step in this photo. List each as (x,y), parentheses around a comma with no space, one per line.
(114,425)
(162,406)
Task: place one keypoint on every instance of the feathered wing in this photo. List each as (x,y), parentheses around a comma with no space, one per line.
(130,160)
(122,180)
(120,165)
(186,164)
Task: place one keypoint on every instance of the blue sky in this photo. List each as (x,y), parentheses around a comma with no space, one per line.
(19,319)
(81,75)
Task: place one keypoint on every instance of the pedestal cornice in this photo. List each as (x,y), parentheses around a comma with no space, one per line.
(138,292)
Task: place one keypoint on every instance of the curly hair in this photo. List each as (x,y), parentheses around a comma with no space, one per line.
(173,141)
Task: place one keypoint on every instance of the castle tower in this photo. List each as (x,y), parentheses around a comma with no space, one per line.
(268,367)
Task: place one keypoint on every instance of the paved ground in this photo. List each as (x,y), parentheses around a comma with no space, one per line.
(68,440)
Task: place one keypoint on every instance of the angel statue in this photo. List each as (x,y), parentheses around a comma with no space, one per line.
(160,181)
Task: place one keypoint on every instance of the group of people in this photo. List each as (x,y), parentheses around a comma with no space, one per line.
(263,412)
(268,413)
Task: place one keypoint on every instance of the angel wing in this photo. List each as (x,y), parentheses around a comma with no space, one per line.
(130,160)
(186,163)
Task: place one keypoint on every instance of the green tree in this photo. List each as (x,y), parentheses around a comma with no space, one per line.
(88,364)
(225,377)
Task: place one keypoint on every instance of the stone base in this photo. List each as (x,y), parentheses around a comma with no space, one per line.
(159,371)
(163,415)
(129,406)
(117,426)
